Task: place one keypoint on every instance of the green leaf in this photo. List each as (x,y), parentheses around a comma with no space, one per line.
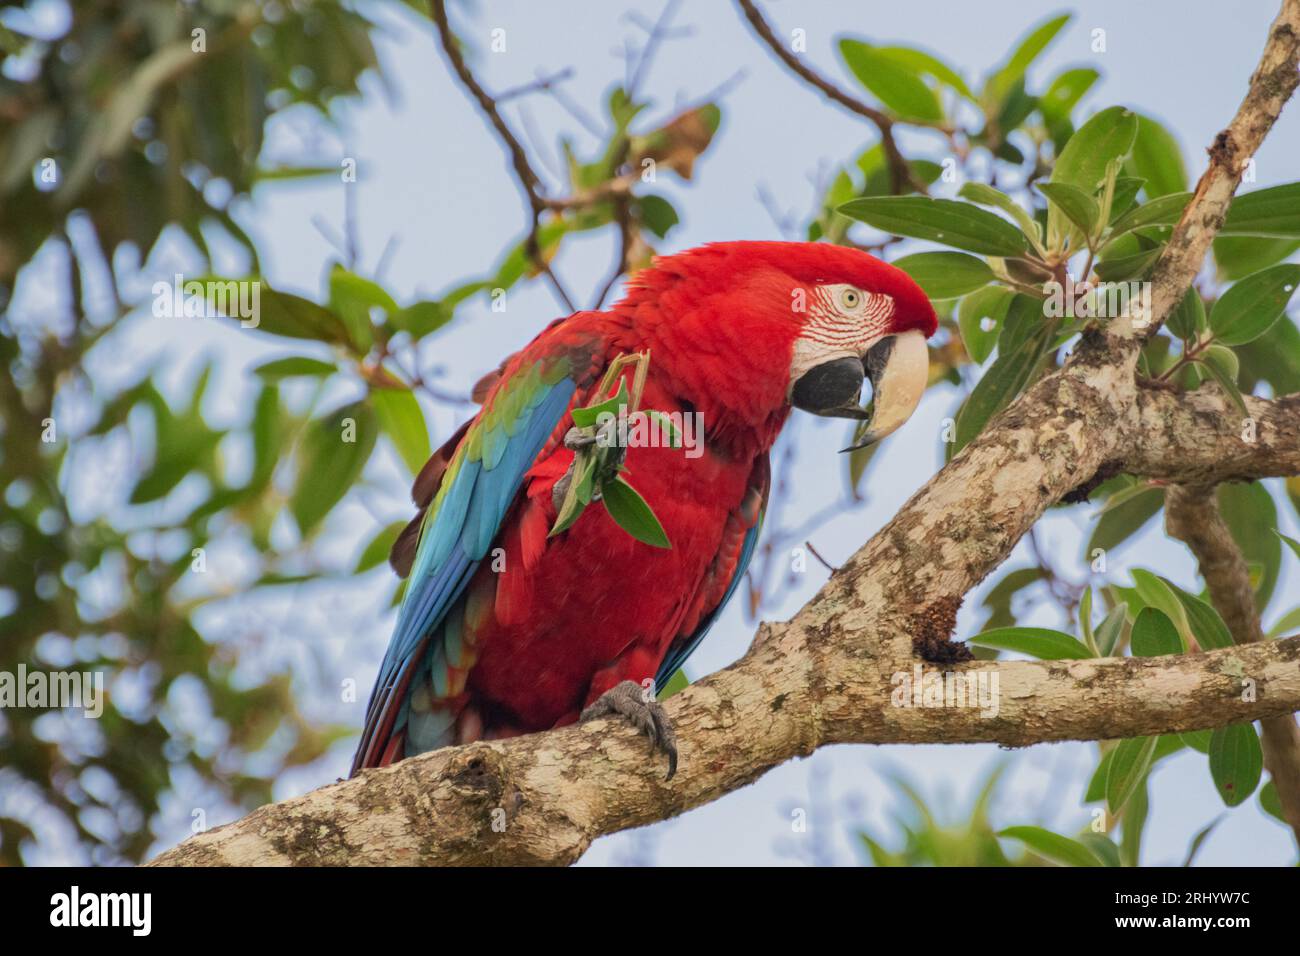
(1053,846)
(266,429)
(1110,629)
(894,82)
(292,366)
(1272,212)
(921,62)
(1101,845)
(999,597)
(293,172)
(421,318)
(1025,53)
(1106,136)
(1271,803)
(953,223)
(1252,305)
(1065,91)
(590,415)
(1157,159)
(376,552)
(1165,211)
(1203,620)
(676,684)
(946,275)
(1135,821)
(1247,508)
(1039,642)
(1235,762)
(1286,624)
(1078,206)
(1154,634)
(1104,139)
(403,422)
(1003,381)
(988,196)
(1239,256)
(1097,782)
(983,307)
(1124,268)
(1221,364)
(353,298)
(1156,592)
(329,463)
(1187,321)
(657,214)
(1129,763)
(630,511)
(282,313)
(1291,543)
(1126,190)
(1125,513)
(1198,740)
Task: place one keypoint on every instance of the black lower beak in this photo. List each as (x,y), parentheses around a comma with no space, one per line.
(831,389)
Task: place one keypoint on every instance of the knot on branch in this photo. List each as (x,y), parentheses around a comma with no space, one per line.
(931,628)
(478,772)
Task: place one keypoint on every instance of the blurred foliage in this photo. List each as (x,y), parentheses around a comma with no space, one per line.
(121,123)
(118,120)
(126,121)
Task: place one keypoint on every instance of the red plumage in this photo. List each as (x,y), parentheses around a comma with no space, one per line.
(554,622)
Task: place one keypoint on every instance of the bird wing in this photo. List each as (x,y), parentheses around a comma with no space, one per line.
(466,490)
(739,540)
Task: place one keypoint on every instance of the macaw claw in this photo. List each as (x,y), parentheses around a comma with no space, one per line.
(629,699)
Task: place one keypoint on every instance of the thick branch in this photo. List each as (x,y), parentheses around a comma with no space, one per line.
(1201,437)
(545,797)
(1192,515)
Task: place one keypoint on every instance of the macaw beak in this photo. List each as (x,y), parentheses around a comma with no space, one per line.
(832,389)
(899,369)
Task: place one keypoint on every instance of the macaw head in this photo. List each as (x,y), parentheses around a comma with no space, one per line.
(796,324)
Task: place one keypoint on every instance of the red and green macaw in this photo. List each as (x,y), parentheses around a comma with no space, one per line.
(508,628)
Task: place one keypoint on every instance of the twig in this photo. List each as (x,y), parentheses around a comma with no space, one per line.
(524,173)
(817,554)
(543,83)
(900,172)
(658,33)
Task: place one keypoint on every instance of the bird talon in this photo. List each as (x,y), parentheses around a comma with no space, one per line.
(628,700)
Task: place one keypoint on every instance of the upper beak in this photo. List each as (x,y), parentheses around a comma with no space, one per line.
(899,369)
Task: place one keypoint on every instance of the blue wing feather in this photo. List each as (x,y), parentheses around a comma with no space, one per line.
(452,544)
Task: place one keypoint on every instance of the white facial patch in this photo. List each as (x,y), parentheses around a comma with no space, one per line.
(843,322)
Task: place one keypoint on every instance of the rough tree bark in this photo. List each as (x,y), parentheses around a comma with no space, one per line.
(827,675)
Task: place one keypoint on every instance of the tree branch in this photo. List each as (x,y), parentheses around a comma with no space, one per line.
(1271,85)
(1192,515)
(834,673)
(1201,437)
(528,181)
(900,172)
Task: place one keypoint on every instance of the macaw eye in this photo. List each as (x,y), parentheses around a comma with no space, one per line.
(850,299)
